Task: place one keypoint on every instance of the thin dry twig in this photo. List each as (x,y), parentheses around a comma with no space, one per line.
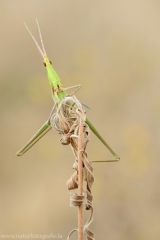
(68,120)
(80,181)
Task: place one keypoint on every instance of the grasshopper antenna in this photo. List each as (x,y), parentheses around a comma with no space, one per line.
(40,35)
(39,49)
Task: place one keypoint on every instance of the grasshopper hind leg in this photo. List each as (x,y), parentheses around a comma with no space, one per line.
(40,133)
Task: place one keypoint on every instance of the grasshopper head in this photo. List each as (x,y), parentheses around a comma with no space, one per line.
(53,77)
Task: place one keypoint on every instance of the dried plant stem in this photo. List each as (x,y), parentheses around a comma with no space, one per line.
(80,181)
(75,131)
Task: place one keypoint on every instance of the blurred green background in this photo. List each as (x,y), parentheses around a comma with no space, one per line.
(112,48)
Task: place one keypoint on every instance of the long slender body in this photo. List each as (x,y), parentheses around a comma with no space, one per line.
(58,94)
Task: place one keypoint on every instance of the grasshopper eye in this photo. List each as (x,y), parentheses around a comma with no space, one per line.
(44,63)
(50,62)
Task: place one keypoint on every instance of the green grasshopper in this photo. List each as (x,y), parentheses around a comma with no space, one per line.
(58,94)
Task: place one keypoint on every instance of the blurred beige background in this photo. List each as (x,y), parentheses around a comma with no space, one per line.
(113,49)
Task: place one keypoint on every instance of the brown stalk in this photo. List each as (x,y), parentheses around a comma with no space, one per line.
(80,181)
(75,131)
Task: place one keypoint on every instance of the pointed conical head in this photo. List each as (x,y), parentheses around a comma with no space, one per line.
(53,77)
